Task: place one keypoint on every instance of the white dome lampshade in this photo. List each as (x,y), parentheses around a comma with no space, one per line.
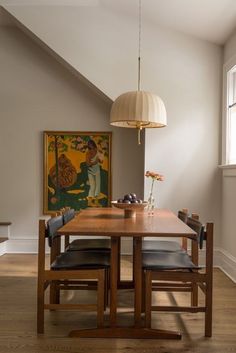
(138,109)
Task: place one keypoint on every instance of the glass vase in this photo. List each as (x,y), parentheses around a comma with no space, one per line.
(151,205)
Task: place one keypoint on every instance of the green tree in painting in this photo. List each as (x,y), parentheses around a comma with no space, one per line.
(57,146)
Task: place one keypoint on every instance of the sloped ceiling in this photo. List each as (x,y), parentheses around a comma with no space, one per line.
(212,20)
(98,40)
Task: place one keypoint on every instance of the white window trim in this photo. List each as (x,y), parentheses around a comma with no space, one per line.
(226,68)
(229,170)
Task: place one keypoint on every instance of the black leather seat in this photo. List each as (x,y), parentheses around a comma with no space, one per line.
(78,260)
(167,261)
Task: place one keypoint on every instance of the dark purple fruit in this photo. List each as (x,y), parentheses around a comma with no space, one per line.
(126,201)
(133,195)
(139,201)
(120,201)
(128,197)
(134,201)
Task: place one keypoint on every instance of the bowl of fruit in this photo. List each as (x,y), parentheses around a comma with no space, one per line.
(130,204)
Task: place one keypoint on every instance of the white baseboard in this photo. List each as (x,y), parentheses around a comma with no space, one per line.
(2,248)
(222,259)
(126,246)
(227,263)
(19,246)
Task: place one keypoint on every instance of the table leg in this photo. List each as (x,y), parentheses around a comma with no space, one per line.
(113,280)
(137,270)
(119,262)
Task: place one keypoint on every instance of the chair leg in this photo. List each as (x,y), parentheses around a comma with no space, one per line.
(143,292)
(41,267)
(148,298)
(100,298)
(194,292)
(54,293)
(208,313)
(185,244)
(106,286)
(209,281)
(67,242)
(54,288)
(194,295)
(40,307)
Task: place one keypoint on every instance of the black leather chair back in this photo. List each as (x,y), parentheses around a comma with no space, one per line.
(198,228)
(53,225)
(183,216)
(68,215)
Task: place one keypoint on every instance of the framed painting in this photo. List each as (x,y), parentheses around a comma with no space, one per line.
(77,170)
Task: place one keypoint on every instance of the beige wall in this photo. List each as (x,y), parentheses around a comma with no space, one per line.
(230,48)
(187,151)
(37,94)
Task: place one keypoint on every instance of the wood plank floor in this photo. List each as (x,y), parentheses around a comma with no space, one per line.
(18,318)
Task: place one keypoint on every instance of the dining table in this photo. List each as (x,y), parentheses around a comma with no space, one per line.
(111,222)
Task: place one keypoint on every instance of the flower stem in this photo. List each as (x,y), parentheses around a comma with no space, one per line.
(152,186)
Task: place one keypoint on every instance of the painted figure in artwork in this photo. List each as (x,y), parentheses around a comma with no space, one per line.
(93,160)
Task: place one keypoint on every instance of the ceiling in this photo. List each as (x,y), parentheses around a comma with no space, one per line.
(211,20)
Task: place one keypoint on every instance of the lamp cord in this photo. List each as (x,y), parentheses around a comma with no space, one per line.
(139,126)
(139,45)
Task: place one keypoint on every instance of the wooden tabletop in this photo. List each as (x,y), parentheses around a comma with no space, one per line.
(111,222)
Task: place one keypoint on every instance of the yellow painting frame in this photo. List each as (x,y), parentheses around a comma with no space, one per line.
(77,170)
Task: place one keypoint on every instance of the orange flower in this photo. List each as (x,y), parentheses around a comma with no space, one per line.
(154,176)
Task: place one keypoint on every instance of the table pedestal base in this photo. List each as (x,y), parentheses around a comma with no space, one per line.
(125,332)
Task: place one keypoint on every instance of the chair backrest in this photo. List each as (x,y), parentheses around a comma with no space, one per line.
(52,227)
(183,215)
(68,215)
(197,226)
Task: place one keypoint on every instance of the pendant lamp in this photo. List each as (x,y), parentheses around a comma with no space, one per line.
(138,109)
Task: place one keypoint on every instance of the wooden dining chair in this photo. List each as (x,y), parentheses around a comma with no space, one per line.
(83,244)
(166,245)
(176,270)
(68,271)
(88,245)
(175,246)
